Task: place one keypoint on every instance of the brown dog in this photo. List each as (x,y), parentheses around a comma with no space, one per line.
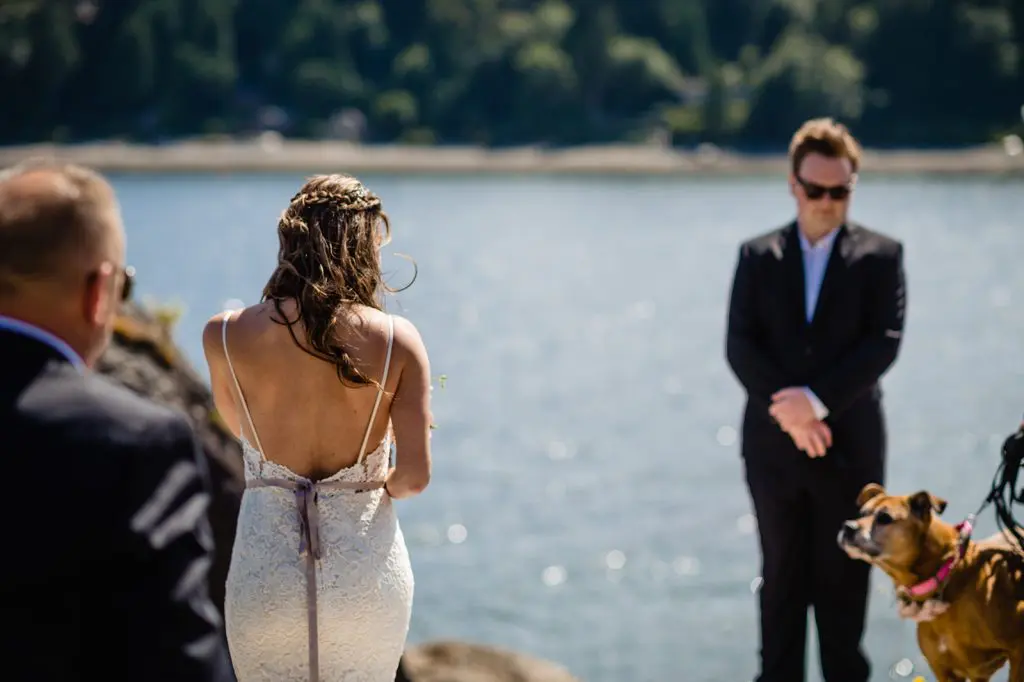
(968,597)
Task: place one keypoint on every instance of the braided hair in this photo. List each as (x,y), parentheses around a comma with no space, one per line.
(328,261)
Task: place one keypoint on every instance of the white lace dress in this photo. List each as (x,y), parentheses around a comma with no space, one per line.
(320,585)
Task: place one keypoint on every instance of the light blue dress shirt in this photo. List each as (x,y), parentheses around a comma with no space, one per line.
(815,261)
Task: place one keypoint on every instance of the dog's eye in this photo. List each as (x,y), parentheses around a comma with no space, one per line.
(882,518)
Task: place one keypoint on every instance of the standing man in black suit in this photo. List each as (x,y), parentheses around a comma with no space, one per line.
(815,319)
(104,515)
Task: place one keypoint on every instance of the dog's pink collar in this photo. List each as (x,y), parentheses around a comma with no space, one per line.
(936,581)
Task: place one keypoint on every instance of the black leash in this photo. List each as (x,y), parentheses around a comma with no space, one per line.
(1005,494)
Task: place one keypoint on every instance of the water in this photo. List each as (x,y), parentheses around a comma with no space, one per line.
(588,503)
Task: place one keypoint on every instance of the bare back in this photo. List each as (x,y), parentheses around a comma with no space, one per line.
(305,417)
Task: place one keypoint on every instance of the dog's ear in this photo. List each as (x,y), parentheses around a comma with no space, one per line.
(868,493)
(923,503)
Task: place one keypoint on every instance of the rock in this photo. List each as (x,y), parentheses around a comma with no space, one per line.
(143,357)
(452,661)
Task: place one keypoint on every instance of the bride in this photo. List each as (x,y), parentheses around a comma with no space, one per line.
(317,382)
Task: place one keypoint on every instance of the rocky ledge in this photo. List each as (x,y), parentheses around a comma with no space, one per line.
(144,358)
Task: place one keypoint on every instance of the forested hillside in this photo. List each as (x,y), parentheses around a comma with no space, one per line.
(503,72)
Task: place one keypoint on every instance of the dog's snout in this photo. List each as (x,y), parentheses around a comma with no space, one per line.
(847,534)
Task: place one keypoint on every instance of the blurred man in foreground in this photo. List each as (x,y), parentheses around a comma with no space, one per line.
(108,543)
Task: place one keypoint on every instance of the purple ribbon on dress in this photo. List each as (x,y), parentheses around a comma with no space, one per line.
(309,520)
(309,542)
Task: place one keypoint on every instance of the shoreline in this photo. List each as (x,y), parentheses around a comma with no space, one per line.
(271,154)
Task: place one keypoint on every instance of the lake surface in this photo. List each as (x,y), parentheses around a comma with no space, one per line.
(588,503)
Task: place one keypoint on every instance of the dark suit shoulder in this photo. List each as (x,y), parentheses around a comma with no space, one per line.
(770,243)
(872,242)
(766,239)
(92,411)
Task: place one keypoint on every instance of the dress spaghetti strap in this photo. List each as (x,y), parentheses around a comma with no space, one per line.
(380,390)
(238,387)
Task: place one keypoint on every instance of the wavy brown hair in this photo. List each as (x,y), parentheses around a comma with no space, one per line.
(328,261)
(823,136)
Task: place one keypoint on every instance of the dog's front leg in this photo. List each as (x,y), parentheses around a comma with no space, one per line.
(943,675)
(1016,667)
(935,654)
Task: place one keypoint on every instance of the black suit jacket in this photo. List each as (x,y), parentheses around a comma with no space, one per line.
(851,341)
(106,540)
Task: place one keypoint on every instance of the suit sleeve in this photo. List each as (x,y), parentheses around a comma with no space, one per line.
(743,346)
(840,386)
(170,535)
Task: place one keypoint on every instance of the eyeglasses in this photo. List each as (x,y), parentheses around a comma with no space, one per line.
(815,192)
(127,281)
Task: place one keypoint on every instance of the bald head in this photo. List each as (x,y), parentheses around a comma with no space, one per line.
(62,253)
(55,220)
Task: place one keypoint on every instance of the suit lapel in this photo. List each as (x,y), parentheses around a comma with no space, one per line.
(838,266)
(793,266)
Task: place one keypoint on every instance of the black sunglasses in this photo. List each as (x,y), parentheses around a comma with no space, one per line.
(127,281)
(815,191)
